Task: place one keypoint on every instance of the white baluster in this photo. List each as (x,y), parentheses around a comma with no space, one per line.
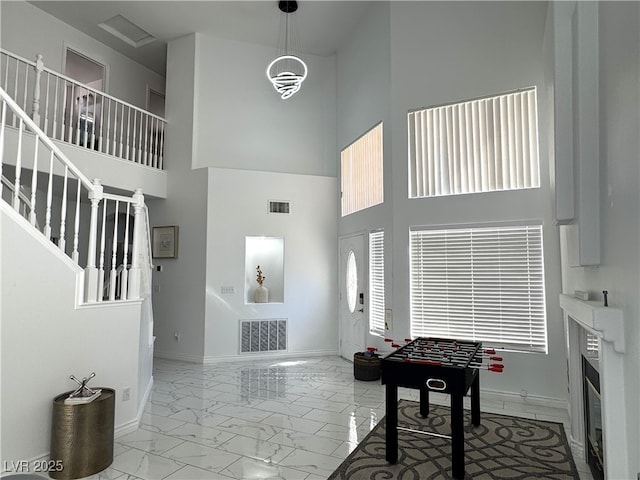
(15,90)
(16,187)
(26,86)
(71,109)
(34,183)
(114,247)
(121,131)
(133,140)
(161,154)
(146,141)
(138,218)
(140,140)
(2,128)
(125,262)
(92,139)
(47,217)
(154,142)
(76,226)
(63,120)
(91,272)
(102,247)
(63,214)
(100,137)
(35,113)
(84,104)
(46,107)
(115,116)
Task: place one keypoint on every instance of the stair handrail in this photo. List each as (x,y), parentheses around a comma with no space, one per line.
(44,139)
(94,273)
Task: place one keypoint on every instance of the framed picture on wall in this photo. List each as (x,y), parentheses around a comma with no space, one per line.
(164,242)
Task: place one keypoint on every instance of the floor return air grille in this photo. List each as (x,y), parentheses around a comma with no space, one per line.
(268,335)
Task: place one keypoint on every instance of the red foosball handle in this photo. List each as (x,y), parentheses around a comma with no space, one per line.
(372,349)
(495,368)
(422,362)
(490,351)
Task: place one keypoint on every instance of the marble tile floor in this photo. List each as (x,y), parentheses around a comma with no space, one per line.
(267,419)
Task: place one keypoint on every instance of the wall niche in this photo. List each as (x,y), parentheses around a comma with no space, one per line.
(268,254)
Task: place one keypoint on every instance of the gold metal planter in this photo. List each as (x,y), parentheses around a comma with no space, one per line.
(82,435)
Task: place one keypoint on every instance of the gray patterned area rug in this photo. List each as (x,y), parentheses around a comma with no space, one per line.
(501,448)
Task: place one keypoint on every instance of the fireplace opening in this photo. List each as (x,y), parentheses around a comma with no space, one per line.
(593,419)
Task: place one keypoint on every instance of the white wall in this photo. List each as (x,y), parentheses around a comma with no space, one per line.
(243,123)
(26,30)
(619,43)
(179,295)
(238,202)
(46,337)
(440,52)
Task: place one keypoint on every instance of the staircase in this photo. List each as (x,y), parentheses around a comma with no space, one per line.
(76,276)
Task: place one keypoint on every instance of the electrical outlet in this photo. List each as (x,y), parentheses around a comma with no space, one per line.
(227,289)
(126,394)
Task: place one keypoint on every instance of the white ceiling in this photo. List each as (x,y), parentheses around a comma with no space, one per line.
(322,25)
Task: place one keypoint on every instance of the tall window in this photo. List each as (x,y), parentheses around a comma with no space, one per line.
(376,282)
(361,172)
(483,284)
(475,146)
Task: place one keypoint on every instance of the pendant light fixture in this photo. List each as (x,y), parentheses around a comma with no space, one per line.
(287,71)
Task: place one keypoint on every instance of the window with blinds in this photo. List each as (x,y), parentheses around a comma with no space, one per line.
(483,284)
(376,283)
(361,172)
(481,145)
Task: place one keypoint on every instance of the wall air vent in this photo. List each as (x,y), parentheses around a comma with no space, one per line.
(279,207)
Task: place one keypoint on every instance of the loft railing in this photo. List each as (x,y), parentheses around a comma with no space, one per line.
(75,213)
(78,114)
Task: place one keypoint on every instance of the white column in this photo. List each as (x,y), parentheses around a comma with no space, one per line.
(90,271)
(134,272)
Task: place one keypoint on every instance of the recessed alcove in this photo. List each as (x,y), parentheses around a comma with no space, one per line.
(268,253)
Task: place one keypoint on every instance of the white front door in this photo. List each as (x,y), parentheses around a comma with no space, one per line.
(353,276)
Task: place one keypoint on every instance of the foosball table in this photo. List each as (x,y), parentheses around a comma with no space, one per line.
(441,365)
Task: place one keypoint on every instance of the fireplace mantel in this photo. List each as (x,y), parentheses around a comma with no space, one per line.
(605,322)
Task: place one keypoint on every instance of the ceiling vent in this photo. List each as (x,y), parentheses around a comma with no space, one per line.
(127,31)
(279,207)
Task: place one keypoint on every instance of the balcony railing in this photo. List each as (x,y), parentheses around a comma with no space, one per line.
(78,114)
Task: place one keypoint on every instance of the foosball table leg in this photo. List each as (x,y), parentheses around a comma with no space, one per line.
(457,436)
(475,401)
(424,402)
(391,424)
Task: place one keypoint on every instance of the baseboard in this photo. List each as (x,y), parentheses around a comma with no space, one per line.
(178,356)
(134,424)
(208,360)
(268,356)
(559,403)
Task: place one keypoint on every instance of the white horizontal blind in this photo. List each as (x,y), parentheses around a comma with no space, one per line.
(361,172)
(482,284)
(376,282)
(475,146)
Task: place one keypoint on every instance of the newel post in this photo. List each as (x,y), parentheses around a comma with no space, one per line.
(35,113)
(90,271)
(136,250)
